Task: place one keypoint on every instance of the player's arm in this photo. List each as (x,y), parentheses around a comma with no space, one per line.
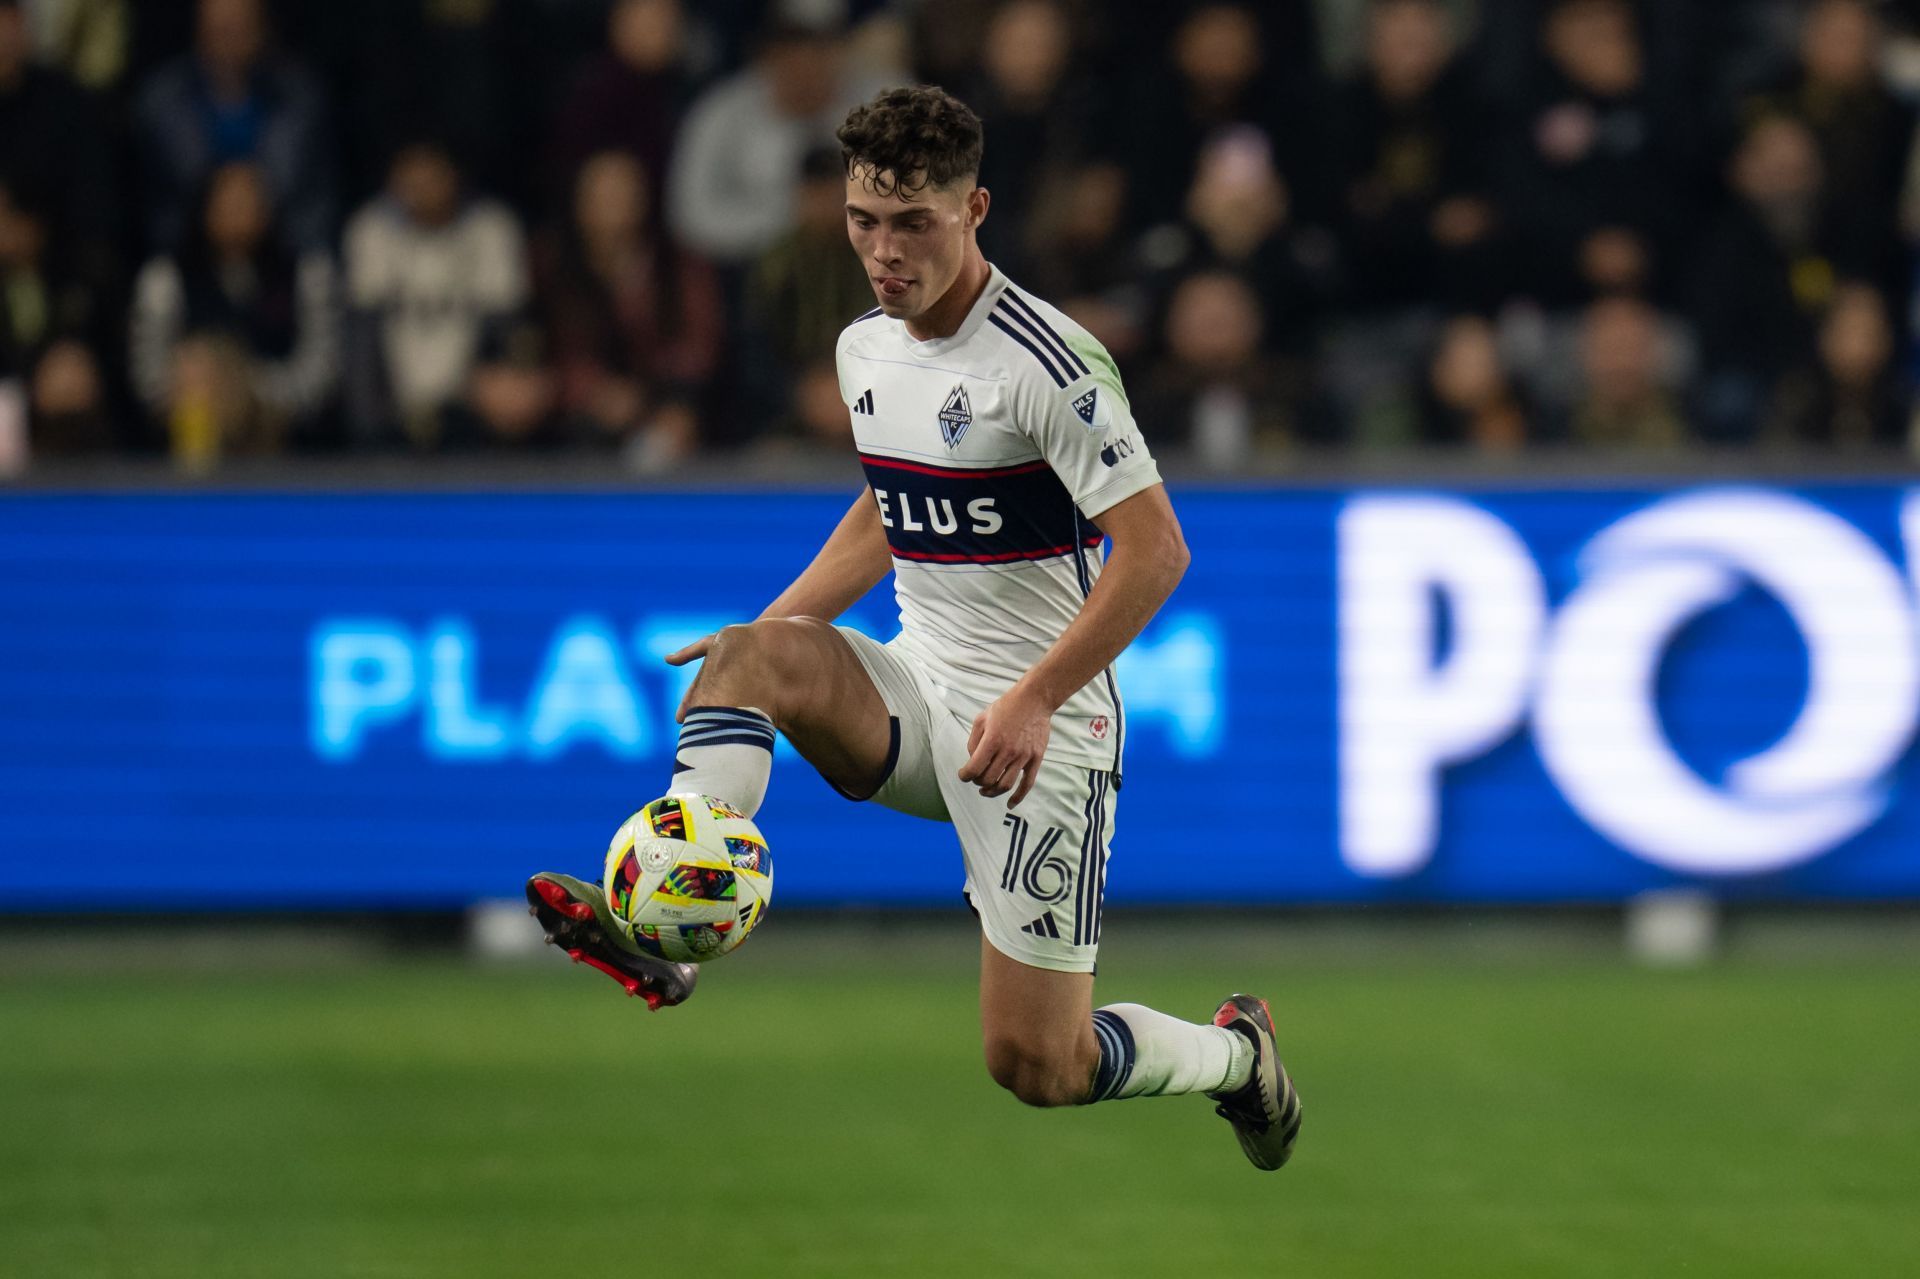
(1149,556)
(852,562)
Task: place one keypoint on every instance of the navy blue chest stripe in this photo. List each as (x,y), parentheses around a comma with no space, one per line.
(989,515)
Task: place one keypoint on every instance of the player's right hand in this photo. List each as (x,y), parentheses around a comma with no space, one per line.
(1007,744)
(692,652)
(680,657)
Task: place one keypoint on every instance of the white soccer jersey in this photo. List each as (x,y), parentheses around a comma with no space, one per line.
(991,454)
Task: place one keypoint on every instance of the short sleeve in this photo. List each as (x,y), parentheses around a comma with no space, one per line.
(1085,428)
(840,366)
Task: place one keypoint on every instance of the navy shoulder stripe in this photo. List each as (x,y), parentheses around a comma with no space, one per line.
(1068,359)
(1054,354)
(1021,338)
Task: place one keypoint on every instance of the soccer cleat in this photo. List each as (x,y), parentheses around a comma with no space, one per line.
(576,918)
(1265,1112)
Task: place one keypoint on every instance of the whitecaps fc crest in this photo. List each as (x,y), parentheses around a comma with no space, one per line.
(956,415)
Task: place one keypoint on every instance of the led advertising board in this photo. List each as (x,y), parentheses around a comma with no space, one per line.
(323,701)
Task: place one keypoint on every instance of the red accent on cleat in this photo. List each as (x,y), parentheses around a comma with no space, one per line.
(631,983)
(557,897)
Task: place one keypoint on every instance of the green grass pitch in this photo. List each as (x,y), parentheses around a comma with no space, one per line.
(820,1109)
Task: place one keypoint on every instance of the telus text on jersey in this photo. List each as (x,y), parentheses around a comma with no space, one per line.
(940,515)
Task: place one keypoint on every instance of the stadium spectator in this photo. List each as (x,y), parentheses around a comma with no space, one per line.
(235,337)
(437,283)
(1855,398)
(1417,223)
(947,40)
(56,157)
(232,98)
(1468,397)
(35,308)
(737,158)
(1765,272)
(635,324)
(802,292)
(1629,376)
(26,295)
(88,39)
(43,364)
(70,405)
(476,74)
(1239,219)
(1595,174)
(629,97)
(1215,81)
(1126,159)
(1216,393)
(1040,120)
(1863,132)
(1079,255)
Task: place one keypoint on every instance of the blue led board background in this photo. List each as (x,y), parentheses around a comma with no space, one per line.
(1382,695)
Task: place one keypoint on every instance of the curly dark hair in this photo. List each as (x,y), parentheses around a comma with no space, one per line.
(912,137)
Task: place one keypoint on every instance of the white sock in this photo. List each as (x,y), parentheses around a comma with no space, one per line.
(725,752)
(1148,1054)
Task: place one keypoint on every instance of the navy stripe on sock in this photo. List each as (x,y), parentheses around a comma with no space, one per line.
(1116,1055)
(703,730)
(763,741)
(715,715)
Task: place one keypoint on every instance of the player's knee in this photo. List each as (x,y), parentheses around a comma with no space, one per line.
(1037,1075)
(773,651)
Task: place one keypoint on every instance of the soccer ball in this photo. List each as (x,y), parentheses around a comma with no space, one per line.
(690,875)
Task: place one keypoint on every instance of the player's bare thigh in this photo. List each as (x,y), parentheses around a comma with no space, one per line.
(804,676)
(1037,1028)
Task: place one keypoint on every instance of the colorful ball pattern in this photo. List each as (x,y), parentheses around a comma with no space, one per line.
(691,876)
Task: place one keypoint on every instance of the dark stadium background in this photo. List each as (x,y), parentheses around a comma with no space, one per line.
(468,327)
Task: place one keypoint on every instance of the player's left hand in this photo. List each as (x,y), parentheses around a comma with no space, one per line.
(1008,741)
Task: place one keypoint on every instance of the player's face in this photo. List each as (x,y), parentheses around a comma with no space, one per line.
(912,243)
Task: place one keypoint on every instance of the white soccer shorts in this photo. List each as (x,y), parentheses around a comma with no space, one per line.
(1036,875)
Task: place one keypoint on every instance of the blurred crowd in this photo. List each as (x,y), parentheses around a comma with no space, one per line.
(234,227)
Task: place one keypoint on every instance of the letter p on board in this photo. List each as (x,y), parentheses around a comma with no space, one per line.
(1405,711)
(362,675)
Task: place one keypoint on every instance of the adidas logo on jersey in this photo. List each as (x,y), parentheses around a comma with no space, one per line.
(865,403)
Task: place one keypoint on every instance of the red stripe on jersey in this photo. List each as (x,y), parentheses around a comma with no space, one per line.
(978,473)
(1006,557)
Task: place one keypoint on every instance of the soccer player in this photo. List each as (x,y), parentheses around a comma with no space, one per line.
(1000,455)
